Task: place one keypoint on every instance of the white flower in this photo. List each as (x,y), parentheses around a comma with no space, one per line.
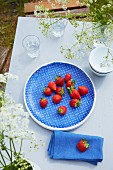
(49,1)
(64,7)
(88,5)
(52,5)
(14,125)
(1,94)
(14,120)
(58,1)
(77,2)
(11,76)
(62,1)
(35,12)
(2,78)
(103,6)
(5,76)
(91,1)
(36,7)
(108,5)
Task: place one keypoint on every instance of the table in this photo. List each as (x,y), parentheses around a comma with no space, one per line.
(100,122)
(73,6)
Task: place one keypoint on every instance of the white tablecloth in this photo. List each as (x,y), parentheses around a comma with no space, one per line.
(100,122)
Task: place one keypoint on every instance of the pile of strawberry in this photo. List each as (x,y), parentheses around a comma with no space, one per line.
(57,87)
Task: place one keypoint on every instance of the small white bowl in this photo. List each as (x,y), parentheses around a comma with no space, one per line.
(97,57)
(97,73)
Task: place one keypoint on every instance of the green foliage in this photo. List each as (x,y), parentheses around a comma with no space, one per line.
(101,10)
(20,164)
(101,29)
(9,12)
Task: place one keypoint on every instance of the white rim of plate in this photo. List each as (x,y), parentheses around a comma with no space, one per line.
(55,128)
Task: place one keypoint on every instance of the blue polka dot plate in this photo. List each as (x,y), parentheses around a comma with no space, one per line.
(49,117)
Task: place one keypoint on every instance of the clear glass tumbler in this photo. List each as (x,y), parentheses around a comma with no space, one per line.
(58,27)
(31,44)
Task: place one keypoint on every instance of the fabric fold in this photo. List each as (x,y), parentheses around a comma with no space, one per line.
(62,145)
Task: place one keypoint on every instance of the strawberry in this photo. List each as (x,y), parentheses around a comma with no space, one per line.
(43,102)
(75,94)
(83,90)
(67,77)
(75,103)
(59,81)
(60,90)
(56,98)
(82,145)
(47,91)
(52,85)
(70,83)
(62,110)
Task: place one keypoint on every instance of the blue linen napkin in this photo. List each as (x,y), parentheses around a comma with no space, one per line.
(63,146)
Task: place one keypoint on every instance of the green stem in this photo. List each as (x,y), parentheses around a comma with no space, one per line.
(8,153)
(13,145)
(1,167)
(55,22)
(3,99)
(95,27)
(8,149)
(5,148)
(20,146)
(6,158)
(11,150)
(108,52)
(2,159)
(81,33)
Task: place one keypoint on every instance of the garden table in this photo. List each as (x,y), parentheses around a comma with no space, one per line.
(100,123)
(73,6)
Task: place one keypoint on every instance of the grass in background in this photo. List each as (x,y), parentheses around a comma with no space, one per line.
(9,12)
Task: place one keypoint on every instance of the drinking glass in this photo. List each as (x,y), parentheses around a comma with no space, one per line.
(58,27)
(31,44)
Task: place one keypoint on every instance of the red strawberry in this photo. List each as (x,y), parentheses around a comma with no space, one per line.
(47,91)
(82,145)
(75,103)
(52,85)
(75,94)
(70,83)
(68,77)
(59,81)
(83,90)
(62,110)
(43,102)
(60,90)
(56,98)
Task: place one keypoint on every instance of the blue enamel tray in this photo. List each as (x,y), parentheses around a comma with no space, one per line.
(49,117)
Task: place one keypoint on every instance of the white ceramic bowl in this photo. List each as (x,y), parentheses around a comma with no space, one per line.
(97,73)
(98,57)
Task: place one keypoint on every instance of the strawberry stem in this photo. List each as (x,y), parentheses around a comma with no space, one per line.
(85,143)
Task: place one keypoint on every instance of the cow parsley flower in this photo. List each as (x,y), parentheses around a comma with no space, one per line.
(14,129)
(100,14)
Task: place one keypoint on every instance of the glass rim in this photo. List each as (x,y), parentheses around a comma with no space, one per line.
(60,20)
(30,36)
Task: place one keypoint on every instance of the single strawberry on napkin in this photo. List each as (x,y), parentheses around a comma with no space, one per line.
(71,146)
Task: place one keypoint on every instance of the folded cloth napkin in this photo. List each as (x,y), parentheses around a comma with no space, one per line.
(63,146)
